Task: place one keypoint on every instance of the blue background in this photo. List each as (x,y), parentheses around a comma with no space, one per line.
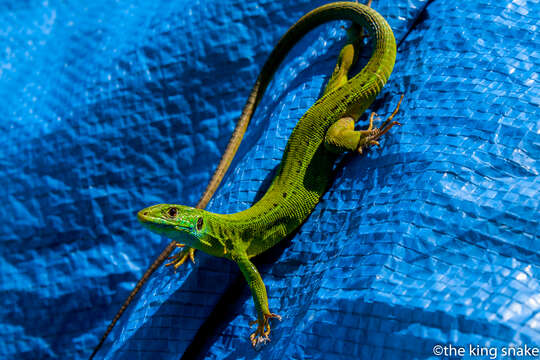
(109,107)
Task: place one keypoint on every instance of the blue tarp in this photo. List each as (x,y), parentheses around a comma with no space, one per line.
(109,107)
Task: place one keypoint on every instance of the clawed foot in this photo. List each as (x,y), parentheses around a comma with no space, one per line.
(182,256)
(260,336)
(374,134)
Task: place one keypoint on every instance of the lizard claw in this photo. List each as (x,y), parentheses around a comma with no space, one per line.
(374,134)
(181,257)
(388,127)
(374,142)
(261,335)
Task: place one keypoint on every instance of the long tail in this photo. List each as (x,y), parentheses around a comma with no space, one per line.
(335,11)
(160,259)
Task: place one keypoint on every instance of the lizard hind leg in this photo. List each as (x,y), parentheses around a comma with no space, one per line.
(342,137)
(348,56)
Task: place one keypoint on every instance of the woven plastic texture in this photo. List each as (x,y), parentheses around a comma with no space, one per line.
(109,107)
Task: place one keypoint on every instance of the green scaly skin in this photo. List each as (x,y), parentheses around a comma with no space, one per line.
(325,131)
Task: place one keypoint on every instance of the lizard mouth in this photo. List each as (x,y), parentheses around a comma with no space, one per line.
(147,219)
(144,217)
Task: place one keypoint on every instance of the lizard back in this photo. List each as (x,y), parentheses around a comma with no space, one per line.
(306,165)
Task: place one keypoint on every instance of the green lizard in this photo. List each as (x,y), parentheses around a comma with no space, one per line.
(324,131)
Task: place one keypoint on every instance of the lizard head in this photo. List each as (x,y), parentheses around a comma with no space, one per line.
(184,224)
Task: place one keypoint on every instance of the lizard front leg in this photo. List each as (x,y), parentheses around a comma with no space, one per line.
(258,291)
(182,256)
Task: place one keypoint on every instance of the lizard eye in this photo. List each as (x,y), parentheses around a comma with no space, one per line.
(172,212)
(200,223)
